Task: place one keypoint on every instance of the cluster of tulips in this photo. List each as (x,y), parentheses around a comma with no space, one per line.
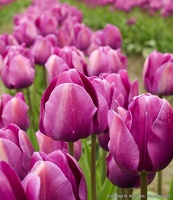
(89,96)
(164,7)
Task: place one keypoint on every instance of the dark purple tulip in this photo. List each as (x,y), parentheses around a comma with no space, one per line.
(43,48)
(60,178)
(147,131)
(157,73)
(69,108)
(26,31)
(48,145)
(17,70)
(16,149)
(121,178)
(14,110)
(73,57)
(106,60)
(10,185)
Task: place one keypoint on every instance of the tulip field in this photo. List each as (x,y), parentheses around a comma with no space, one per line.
(86,107)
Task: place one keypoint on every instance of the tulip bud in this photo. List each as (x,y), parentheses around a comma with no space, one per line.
(60,178)
(157,73)
(14,110)
(13,139)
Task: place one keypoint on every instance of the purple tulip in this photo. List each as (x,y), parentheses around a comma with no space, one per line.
(106,60)
(123,90)
(48,145)
(70,109)
(55,176)
(5,40)
(121,178)
(157,73)
(43,48)
(14,141)
(14,110)
(10,185)
(73,57)
(54,66)
(17,69)
(26,32)
(146,131)
(82,36)
(47,23)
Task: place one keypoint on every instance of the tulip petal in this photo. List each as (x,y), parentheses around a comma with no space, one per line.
(160,144)
(69,113)
(122,145)
(54,185)
(10,185)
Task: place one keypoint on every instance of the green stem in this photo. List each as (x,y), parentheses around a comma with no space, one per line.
(93,166)
(120,193)
(45,77)
(129,193)
(144,180)
(29,100)
(159,183)
(103,167)
(71,148)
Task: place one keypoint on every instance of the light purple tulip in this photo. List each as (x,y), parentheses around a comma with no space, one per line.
(54,66)
(47,23)
(147,131)
(48,145)
(10,184)
(73,57)
(55,176)
(71,109)
(43,48)
(105,60)
(14,110)
(17,70)
(26,32)
(121,178)
(82,36)
(5,40)
(14,141)
(157,73)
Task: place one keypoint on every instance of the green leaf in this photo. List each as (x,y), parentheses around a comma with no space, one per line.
(170,195)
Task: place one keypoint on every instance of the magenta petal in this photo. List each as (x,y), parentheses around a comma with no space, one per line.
(69,107)
(10,185)
(122,145)
(54,185)
(160,144)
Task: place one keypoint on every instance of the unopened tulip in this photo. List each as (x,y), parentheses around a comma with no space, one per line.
(43,48)
(48,145)
(10,185)
(47,23)
(73,57)
(82,36)
(60,178)
(147,131)
(17,70)
(13,140)
(14,110)
(26,32)
(105,60)
(121,178)
(157,73)
(70,108)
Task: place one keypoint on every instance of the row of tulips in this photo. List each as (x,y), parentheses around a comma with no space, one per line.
(89,96)
(164,7)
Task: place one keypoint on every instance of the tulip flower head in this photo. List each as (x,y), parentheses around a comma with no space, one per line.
(142,141)
(157,73)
